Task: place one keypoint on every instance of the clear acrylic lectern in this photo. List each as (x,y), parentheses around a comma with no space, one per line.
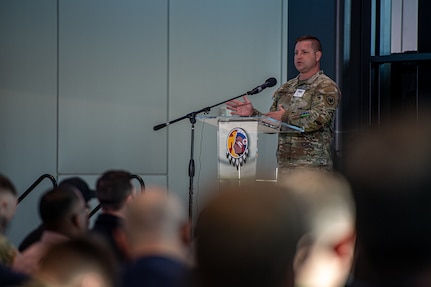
(247,146)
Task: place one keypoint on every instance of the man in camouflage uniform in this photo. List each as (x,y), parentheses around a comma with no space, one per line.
(309,101)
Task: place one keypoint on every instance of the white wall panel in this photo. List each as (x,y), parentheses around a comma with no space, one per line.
(28,99)
(113,85)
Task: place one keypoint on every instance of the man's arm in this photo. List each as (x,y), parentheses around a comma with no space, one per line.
(323,106)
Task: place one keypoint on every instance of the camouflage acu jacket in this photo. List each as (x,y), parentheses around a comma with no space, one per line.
(310,104)
(7,251)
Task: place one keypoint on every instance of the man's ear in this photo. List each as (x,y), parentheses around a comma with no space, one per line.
(318,56)
(3,205)
(303,248)
(75,221)
(129,199)
(185,233)
(345,247)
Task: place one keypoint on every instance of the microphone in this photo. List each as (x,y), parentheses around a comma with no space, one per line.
(271,82)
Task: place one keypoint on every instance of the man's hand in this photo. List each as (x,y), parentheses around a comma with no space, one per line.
(277,114)
(240,108)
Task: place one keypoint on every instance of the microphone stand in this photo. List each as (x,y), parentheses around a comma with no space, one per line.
(192,118)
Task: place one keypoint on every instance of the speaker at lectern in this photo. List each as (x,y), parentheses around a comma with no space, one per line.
(247,146)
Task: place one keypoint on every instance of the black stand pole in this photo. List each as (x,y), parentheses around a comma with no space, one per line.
(192,119)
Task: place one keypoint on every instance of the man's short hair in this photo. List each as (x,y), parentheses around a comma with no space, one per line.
(315,42)
(81,185)
(113,188)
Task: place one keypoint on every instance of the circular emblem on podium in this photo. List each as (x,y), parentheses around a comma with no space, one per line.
(237,147)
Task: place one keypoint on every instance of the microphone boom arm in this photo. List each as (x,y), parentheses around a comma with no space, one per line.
(268,83)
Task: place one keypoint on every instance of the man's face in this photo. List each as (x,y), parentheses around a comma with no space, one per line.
(8,203)
(306,59)
(81,213)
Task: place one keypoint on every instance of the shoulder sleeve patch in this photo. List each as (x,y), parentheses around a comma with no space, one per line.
(330,100)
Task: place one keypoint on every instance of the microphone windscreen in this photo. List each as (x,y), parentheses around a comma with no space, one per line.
(271,82)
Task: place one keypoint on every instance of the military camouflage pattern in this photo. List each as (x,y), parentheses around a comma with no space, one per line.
(7,252)
(310,104)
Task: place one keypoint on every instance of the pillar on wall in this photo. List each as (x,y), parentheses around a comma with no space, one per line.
(424,46)
(424,26)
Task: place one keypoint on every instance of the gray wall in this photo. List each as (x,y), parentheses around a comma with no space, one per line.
(82,83)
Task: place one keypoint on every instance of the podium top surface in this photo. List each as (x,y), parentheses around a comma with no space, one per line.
(265,124)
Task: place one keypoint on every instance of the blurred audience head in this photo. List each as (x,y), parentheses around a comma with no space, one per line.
(389,169)
(114,189)
(79,262)
(247,236)
(325,253)
(63,210)
(157,224)
(81,185)
(8,202)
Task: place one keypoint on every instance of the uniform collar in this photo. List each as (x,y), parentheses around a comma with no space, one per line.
(311,79)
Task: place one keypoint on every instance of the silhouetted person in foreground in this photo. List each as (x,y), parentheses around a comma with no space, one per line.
(64,216)
(71,182)
(114,191)
(247,236)
(158,237)
(79,262)
(389,168)
(325,253)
